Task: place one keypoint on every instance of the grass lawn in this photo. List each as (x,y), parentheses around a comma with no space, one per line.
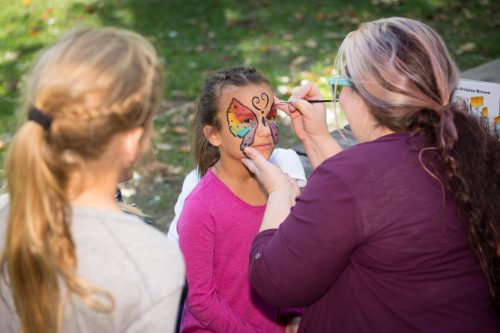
(290,41)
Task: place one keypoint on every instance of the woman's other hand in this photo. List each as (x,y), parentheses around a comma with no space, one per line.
(281,188)
(269,175)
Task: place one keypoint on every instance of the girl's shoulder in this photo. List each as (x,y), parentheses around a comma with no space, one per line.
(115,227)
(208,187)
(213,195)
(125,245)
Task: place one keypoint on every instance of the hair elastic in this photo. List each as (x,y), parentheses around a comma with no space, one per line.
(40,117)
(445,107)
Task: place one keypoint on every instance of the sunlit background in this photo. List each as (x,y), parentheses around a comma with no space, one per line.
(290,41)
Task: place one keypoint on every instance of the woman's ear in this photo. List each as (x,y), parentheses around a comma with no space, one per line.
(212,135)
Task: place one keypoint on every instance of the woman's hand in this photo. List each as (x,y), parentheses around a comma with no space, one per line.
(309,124)
(281,188)
(308,120)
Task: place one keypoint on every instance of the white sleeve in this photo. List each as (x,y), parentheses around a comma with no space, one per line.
(188,185)
(289,162)
(4,200)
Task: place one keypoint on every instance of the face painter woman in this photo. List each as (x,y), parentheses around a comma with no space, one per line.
(399,233)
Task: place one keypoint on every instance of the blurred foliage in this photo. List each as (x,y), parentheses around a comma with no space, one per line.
(290,42)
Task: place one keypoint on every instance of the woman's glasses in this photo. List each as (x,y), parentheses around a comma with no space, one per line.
(336,84)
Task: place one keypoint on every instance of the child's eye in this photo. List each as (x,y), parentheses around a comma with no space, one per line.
(271,117)
(247,121)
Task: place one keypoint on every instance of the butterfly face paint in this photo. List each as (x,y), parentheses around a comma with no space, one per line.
(272,116)
(243,121)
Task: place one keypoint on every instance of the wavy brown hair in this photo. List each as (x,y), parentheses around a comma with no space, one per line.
(207,106)
(402,69)
(93,84)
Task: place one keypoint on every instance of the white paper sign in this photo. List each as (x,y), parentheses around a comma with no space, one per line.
(480,97)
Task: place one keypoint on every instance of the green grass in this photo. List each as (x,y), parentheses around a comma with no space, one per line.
(289,41)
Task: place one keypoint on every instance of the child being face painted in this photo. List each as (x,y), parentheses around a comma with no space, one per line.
(224,211)
(248,119)
(235,110)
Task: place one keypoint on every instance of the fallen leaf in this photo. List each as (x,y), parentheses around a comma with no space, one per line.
(180,130)
(164,146)
(299,60)
(185,148)
(35,31)
(199,48)
(179,94)
(284,79)
(225,58)
(320,16)
(311,43)
(468,14)
(46,14)
(91,8)
(178,119)
(11,55)
(466,47)
(299,16)
(210,46)
(333,35)
(175,170)
(264,48)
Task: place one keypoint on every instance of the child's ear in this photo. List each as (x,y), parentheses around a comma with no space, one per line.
(212,136)
(131,148)
(132,144)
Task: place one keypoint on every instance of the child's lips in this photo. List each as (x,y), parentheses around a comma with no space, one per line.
(263,146)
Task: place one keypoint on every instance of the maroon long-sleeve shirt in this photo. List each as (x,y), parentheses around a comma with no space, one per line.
(371,246)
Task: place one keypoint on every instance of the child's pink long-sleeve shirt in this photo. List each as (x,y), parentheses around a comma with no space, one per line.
(216,230)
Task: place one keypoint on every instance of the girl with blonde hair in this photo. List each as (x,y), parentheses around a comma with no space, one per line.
(71,260)
(401,232)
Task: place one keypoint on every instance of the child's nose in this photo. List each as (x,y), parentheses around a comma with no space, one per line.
(263,128)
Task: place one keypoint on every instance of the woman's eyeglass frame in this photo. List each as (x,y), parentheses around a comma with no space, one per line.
(335,82)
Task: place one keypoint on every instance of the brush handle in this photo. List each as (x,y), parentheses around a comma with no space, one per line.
(320,100)
(312,101)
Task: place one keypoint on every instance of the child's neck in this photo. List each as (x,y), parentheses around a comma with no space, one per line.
(241,182)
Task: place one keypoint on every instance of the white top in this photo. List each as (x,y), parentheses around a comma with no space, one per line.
(118,252)
(286,159)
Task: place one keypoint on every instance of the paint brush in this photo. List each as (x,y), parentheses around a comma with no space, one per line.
(312,101)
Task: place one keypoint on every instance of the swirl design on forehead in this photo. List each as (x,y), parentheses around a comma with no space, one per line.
(256,101)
